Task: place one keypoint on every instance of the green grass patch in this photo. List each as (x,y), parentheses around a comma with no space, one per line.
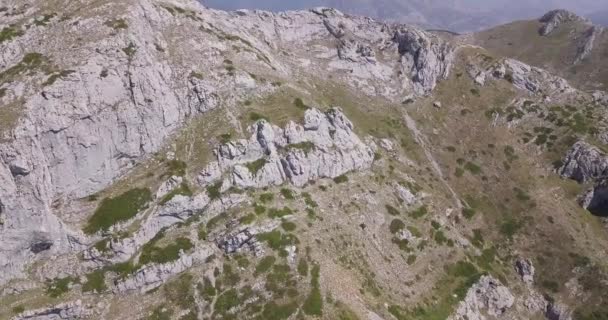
(419,213)
(9,33)
(255,166)
(341,179)
(183,190)
(288,226)
(313,305)
(287,194)
(392,210)
(214,191)
(95,282)
(265,264)
(277,240)
(120,208)
(153,254)
(279,213)
(58,287)
(266,197)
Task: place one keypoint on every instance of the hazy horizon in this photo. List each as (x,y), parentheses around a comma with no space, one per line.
(455,15)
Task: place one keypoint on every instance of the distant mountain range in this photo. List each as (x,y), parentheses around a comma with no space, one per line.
(455,15)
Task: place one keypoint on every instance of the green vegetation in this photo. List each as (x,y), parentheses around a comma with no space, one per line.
(183,190)
(305,146)
(180,292)
(303,267)
(287,194)
(56,76)
(18,309)
(472,168)
(313,305)
(121,208)
(277,240)
(265,264)
(288,226)
(214,190)
(10,32)
(309,201)
(95,282)
(468,213)
(274,311)
(419,213)
(255,166)
(130,50)
(255,117)
(392,210)
(153,254)
(175,168)
(226,301)
(341,179)
(116,24)
(160,313)
(396,226)
(31,62)
(58,287)
(279,213)
(266,197)
(300,104)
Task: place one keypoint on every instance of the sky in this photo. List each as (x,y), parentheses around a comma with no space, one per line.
(454,15)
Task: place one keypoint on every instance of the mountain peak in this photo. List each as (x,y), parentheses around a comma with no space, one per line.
(555,18)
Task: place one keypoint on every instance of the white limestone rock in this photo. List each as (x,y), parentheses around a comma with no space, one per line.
(487,296)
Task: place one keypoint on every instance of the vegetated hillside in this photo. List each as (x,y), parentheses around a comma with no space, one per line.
(167,161)
(574,48)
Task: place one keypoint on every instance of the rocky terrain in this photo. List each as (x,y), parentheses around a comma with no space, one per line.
(163,160)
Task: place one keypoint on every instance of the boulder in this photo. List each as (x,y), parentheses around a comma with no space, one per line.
(487,296)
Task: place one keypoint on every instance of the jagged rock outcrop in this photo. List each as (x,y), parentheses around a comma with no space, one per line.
(425,58)
(525,269)
(553,19)
(584,163)
(587,43)
(532,79)
(325,146)
(65,311)
(557,311)
(487,296)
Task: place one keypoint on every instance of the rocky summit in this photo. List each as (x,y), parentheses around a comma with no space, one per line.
(163,160)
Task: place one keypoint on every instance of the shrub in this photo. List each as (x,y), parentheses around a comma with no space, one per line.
(288,226)
(341,179)
(277,240)
(214,190)
(95,282)
(8,33)
(309,201)
(287,194)
(265,264)
(226,301)
(300,104)
(266,197)
(313,305)
(183,190)
(153,254)
(392,210)
(303,267)
(420,212)
(121,208)
(116,24)
(472,168)
(18,309)
(468,213)
(396,226)
(279,213)
(256,166)
(411,259)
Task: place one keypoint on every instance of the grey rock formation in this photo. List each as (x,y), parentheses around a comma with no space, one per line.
(325,146)
(584,163)
(487,296)
(525,269)
(152,276)
(424,57)
(65,311)
(553,19)
(531,79)
(557,311)
(234,242)
(587,43)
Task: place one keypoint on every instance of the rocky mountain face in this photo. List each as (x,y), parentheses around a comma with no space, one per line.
(163,160)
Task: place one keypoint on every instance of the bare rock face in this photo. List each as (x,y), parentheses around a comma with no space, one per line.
(525,269)
(584,163)
(65,311)
(325,146)
(424,57)
(487,296)
(588,41)
(553,19)
(153,276)
(557,311)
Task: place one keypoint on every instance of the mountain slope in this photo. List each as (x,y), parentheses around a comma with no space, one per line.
(575,49)
(161,160)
